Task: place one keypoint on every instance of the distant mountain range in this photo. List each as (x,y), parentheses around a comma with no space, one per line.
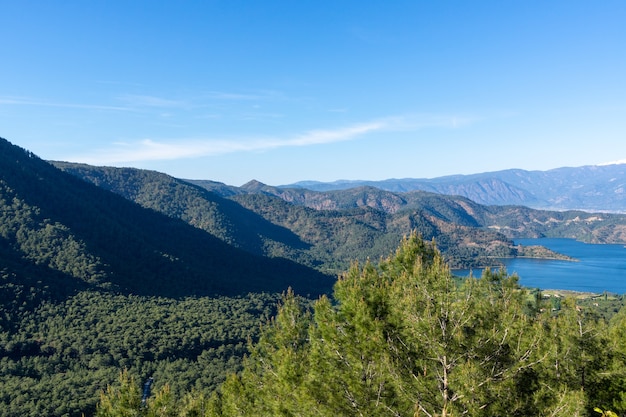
(327,230)
(272,222)
(145,232)
(590,188)
(448,212)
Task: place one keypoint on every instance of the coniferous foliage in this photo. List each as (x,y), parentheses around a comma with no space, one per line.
(57,358)
(403,338)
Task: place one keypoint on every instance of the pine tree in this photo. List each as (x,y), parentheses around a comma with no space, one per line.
(403,338)
(615,372)
(271,383)
(124,401)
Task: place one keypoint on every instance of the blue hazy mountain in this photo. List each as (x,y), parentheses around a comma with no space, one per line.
(591,188)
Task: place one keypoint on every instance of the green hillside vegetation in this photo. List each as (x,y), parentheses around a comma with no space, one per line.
(321,230)
(97,238)
(404,338)
(203,209)
(57,358)
(511,221)
(91,283)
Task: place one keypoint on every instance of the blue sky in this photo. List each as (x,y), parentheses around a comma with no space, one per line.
(283,91)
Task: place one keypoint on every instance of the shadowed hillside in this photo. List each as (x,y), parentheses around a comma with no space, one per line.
(328,229)
(57,221)
(322,230)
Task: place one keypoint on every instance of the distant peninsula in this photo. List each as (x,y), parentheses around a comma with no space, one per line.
(541,252)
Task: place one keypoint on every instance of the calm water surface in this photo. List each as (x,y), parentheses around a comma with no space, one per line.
(599,267)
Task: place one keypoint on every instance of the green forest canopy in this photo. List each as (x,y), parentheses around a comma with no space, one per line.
(404,338)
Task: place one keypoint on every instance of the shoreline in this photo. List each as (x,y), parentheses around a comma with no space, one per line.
(579,295)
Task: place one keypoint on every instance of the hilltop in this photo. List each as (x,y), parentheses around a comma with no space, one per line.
(327,230)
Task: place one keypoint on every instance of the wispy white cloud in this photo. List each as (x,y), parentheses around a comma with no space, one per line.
(140,103)
(318,137)
(27,101)
(222,95)
(409,122)
(134,100)
(152,149)
(254,95)
(128,102)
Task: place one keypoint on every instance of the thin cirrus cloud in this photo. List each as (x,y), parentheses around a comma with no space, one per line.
(152,150)
(130,102)
(134,100)
(27,101)
(146,102)
(245,96)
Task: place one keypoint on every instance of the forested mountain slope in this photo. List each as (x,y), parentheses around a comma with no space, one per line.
(197,206)
(353,225)
(327,230)
(92,283)
(403,337)
(99,239)
(511,221)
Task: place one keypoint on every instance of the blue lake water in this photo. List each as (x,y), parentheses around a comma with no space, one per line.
(599,268)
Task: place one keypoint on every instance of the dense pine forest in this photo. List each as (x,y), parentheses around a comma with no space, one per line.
(404,338)
(228,299)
